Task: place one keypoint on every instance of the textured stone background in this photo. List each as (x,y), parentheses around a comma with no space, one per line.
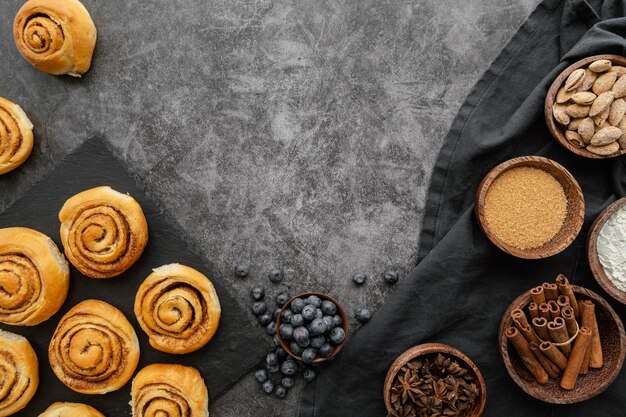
(298,134)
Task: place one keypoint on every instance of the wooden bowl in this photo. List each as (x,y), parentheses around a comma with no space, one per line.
(340,311)
(588,386)
(430,349)
(592,252)
(555,129)
(575,207)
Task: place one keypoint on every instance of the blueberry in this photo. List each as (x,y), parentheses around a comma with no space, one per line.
(268,386)
(363,315)
(282,298)
(337,335)
(317,342)
(297,350)
(276,313)
(259,308)
(286,331)
(359,278)
(297,320)
(281,354)
(391,277)
(317,327)
(326,350)
(271,359)
(314,300)
(297,305)
(301,336)
(318,313)
(289,367)
(271,329)
(337,320)
(265,318)
(309,312)
(261,376)
(308,356)
(309,375)
(287,382)
(275,275)
(257,293)
(287,315)
(276,341)
(272,369)
(329,322)
(280,392)
(328,307)
(242,271)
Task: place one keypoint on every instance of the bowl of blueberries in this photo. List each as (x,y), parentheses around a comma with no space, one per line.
(312,327)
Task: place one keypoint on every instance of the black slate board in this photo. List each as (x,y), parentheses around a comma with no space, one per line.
(238,344)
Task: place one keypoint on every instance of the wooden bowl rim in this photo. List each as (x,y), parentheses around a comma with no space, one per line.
(592,252)
(556,130)
(521,302)
(428,349)
(550,248)
(344,325)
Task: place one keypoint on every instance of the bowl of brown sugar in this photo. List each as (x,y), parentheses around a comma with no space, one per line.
(530,207)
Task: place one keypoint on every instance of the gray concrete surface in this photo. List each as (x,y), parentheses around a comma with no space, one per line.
(298,134)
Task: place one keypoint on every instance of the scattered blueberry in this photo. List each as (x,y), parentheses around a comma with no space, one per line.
(271,359)
(289,368)
(337,320)
(272,369)
(363,315)
(265,318)
(276,313)
(309,375)
(280,392)
(309,312)
(261,376)
(297,350)
(257,293)
(297,320)
(297,305)
(287,382)
(242,271)
(317,342)
(271,329)
(391,277)
(286,331)
(314,300)
(328,307)
(308,356)
(268,386)
(329,322)
(259,308)
(337,335)
(317,327)
(359,278)
(301,336)
(326,350)
(275,275)
(282,298)
(287,315)
(281,354)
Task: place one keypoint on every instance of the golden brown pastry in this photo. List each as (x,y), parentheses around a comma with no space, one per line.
(103,232)
(178,308)
(16,136)
(94,349)
(55,36)
(60,409)
(34,277)
(19,373)
(169,390)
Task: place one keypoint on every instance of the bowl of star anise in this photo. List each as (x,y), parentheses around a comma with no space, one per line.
(434,380)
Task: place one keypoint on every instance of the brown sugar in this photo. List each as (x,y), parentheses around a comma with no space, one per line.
(525,207)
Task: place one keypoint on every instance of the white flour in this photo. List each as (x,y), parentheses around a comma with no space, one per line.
(611,246)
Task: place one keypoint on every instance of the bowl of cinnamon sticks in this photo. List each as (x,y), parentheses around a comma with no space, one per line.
(561,343)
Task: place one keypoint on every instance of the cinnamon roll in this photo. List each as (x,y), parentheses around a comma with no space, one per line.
(16,136)
(103,232)
(34,277)
(60,409)
(169,390)
(19,373)
(178,309)
(55,36)
(94,349)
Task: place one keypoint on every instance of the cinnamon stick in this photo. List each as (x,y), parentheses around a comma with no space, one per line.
(544,311)
(589,320)
(533,310)
(538,295)
(570,375)
(551,369)
(526,355)
(566,289)
(540,324)
(554,354)
(562,301)
(555,310)
(527,332)
(551,291)
(558,334)
(570,321)
(518,315)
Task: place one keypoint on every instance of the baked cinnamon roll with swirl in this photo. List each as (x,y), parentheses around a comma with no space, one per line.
(34,277)
(178,309)
(94,349)
(169,390)
(55,36)
(60,409)
(16,136)
(19,373)
(103,232)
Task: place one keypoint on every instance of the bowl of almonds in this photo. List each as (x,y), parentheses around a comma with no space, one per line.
(585,107)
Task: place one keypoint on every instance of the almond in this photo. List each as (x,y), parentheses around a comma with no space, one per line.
(563,95)
(574,138)
(622,139)
(605,150)
(605,136)
(574,123)
(586,129)
(559,111)
(601,103)
(600,65)
(600,119)
(577,110)
(588,80)
(585,98)
(618,69)
(574,79)
(619,88)
(618,108)
(604,82)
